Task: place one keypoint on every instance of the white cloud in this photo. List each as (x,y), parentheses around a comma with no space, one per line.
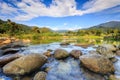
(7,8)
(58,8)
(99,5)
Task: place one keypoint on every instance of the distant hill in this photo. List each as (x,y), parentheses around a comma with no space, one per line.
(9,26)
(111,24)
(16,28)
(61,31)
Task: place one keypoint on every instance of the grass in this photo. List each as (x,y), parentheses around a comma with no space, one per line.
(49,38)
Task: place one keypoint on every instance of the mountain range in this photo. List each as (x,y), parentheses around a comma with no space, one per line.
(107,25)
(111,24)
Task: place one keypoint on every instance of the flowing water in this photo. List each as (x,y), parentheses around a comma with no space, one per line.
(68,69)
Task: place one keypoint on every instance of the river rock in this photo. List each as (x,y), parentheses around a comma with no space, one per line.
(113,77)
(26,77)
(76,53)
(113,59)
(8,58)
(97,63)
(48,54)
(25,64)
(64,43)
(1,52)
(89,75)
(50,50)
(107,50)
(17,44)
(40,76)
(83,45)
(60,54)
(118,52)
(10,51)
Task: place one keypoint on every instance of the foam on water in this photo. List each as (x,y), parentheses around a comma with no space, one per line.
(117,66)
(53,46)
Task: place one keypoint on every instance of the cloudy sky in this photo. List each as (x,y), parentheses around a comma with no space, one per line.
(60,14)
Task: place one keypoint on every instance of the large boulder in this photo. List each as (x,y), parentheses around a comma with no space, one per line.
(97,63)
(17,44)
(60,54)
(25,64)
(76,53)
(40,76)
(8,58)
(107,50)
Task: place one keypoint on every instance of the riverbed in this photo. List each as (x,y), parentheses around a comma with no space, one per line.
(68,69)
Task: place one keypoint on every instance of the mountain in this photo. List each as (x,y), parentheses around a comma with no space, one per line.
(111,24)
(9,26)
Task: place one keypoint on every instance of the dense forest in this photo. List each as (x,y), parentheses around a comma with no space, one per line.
(34,33)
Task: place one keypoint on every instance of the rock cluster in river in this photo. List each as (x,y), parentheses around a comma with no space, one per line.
(99,61)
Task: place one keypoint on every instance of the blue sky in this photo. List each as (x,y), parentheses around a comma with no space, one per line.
(60,14)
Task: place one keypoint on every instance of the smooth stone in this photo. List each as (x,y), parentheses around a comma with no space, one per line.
(107,50)
(40,76)
(8,58)
(76,53)
(97,63)
(25,64)
(60,54)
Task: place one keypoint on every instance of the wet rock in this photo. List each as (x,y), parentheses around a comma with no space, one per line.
(113,59)
(118,47)
(97,63)
(17,78)
(60,54)
(93,52)
(48,54)
(47,69)
(89,75)
(107,50)
(26,78)
(113,77)
(118,52)
(40,76)
(8,58)
(5,41)
(76,53)
(1,52)
(25,64)
(83,45)
(13,45)
(10,51)
(50,50)
(64,43)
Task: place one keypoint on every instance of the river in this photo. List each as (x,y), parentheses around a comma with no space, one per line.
(68,69)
